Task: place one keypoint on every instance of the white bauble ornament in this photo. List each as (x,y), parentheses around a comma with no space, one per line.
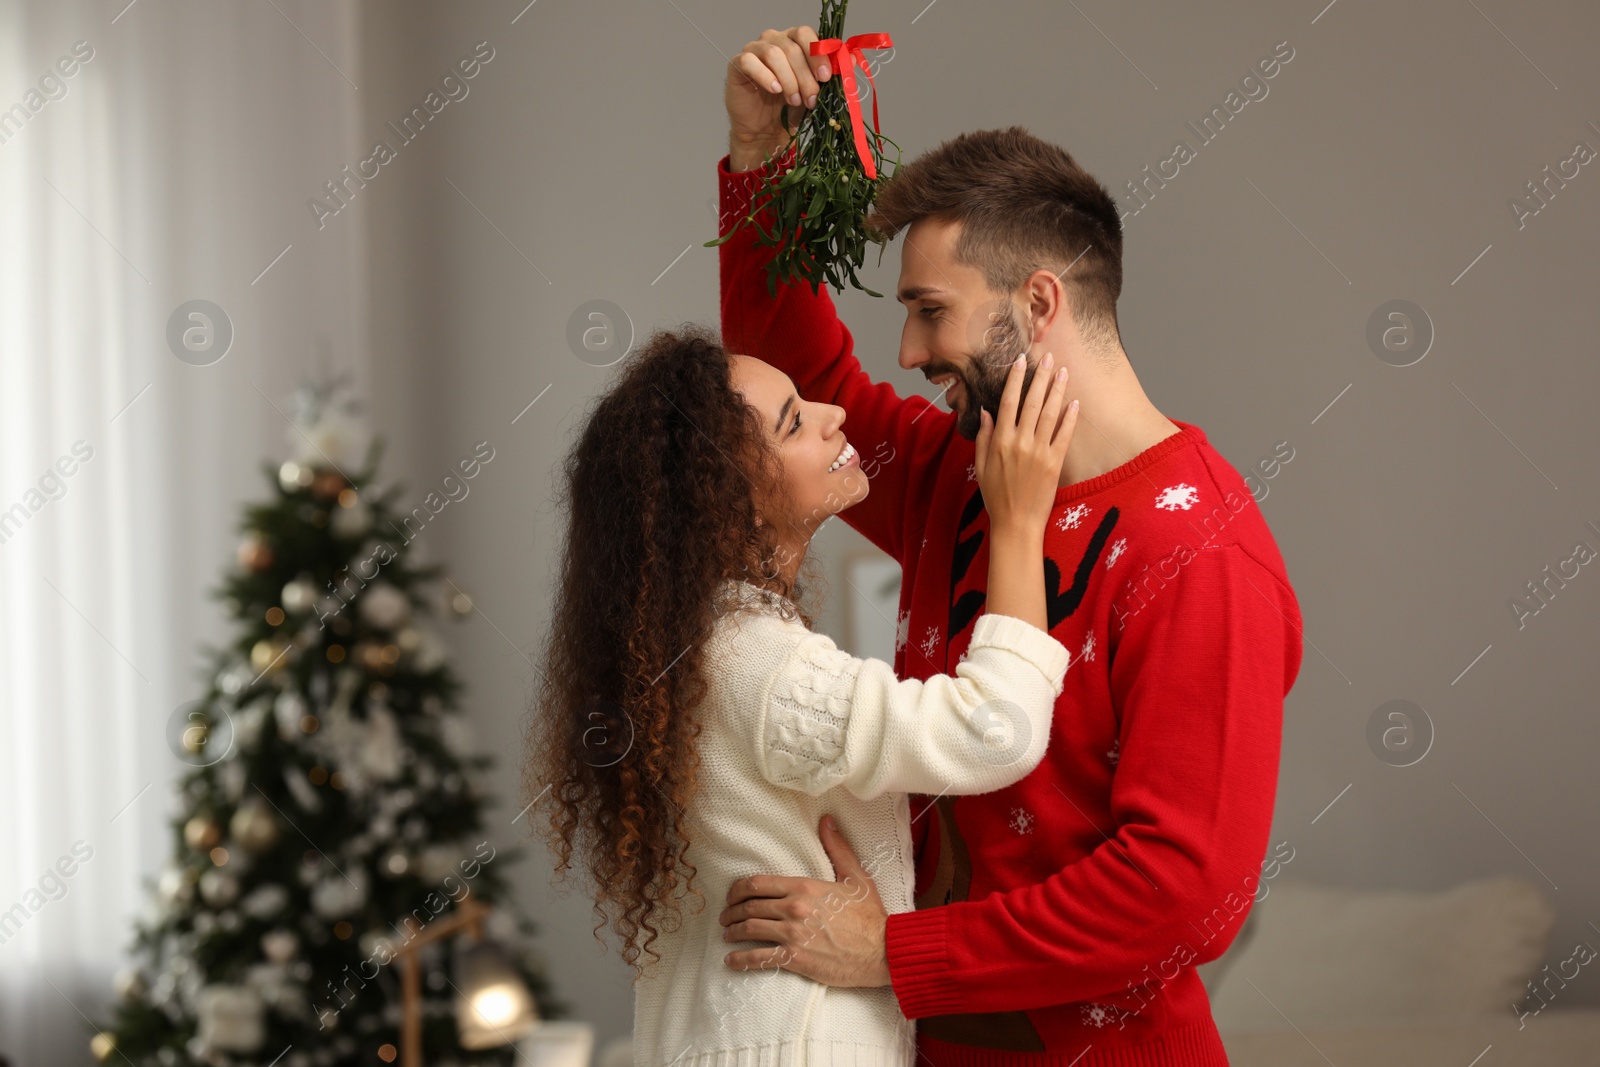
(339,895)
(175,887)
(247,723)
(299,596)
(437,862)
(233,678)
(377,947)
(385,606)
(265,901)
(456,734)
(430,652)
(327,435)
(218,888)
(231,1018)
(293,477)
(272,981)
(299,788)
(501,925)
(232,775)
(289,709)
(379,755)
(350,522)
(164,989)
(280,945)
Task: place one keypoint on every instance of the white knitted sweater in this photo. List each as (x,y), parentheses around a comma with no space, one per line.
(794,727)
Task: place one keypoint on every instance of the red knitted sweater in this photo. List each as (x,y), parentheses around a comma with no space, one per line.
(1064,915)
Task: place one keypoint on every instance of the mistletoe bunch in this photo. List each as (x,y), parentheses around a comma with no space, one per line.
(819,203)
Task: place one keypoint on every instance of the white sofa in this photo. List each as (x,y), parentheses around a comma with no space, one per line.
(1324,975)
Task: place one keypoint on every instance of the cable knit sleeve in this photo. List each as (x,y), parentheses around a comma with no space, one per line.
(830,719)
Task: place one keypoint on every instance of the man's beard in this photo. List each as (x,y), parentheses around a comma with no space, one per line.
(984,378)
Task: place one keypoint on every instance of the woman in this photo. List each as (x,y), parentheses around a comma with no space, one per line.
(691,729)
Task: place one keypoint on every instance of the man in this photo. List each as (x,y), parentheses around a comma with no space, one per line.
(1063,915)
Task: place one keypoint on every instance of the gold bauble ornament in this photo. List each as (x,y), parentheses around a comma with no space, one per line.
(102,1045)
(254,553)
(195,736)
(269,654)
(201,833)
(327,485)
(255,827)
(130,985)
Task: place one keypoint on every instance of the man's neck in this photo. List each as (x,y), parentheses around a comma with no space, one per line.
(1116,421)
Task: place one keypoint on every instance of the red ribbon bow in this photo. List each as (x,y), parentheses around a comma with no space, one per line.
(849,56)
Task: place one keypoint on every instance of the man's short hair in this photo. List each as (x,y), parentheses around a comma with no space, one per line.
(1023,204)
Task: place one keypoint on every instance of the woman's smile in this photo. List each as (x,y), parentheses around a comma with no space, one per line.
(846,458)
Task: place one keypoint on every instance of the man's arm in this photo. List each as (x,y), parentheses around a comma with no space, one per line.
(1199,678)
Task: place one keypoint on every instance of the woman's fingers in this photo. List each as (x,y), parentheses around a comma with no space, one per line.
(1028,421)
(1063,437)
(1010,396)
(980,459)
(1055,389)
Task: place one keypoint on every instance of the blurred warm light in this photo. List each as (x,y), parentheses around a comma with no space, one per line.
(495,1007)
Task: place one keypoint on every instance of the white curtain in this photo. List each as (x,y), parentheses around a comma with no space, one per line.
(173,163)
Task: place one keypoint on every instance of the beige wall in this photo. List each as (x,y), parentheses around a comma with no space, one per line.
(1378,167)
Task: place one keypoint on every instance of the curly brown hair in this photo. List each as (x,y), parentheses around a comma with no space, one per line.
(661,491)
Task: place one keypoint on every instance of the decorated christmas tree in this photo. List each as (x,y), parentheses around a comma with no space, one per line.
(330,817)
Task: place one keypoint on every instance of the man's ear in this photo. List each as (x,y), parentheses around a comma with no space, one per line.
(1049,298)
